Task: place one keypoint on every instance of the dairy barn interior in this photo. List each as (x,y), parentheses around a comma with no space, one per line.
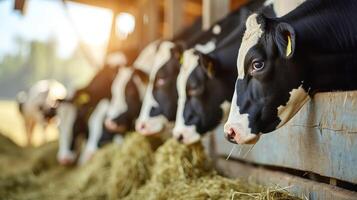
(178,99)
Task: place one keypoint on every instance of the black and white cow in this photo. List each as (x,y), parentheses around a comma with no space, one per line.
(38,105)
(205,86)
(160,103)
(120,113)
(128,92)
(283,61)
(206,81)
(82,115)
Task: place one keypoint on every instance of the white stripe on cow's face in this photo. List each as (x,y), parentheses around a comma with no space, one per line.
(146,57)
(298,97)
(239,123)
(206,48)
(140,86)
(154,124)
(118,104)
(188,133)
(251,37)
(95,124)
(67,114)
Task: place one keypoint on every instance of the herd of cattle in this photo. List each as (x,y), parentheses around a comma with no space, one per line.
(252,70)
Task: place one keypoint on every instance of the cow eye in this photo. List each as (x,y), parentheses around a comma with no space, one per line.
(257,65)
(195,91)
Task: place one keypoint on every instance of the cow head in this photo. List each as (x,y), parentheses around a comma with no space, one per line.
(74,111)
(269,89)
(160,102)
(127,94)
(202,93)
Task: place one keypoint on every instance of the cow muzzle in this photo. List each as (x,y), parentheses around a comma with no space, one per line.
(149,127)
(234,134)
(113,127)
(186,135)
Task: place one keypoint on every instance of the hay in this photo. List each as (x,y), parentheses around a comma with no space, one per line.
(131,166)
(131,171)
(190,175)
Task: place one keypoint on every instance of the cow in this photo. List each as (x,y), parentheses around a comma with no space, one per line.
(205,86)
(121,109)
(82,114)
(39,105)
(160,103)
(206,80)
(282,62)
(127,95)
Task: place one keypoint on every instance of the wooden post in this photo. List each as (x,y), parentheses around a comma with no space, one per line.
(150,22)
(213,10)
(173,17)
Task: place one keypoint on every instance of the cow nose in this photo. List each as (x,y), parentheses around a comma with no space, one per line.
(231,135)
(109,124)
(180,138)
(142,126)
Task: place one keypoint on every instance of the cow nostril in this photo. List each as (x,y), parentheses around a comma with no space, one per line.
(180,138)
(142,126)
(231,134)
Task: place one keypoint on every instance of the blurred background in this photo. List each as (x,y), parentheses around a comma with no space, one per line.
(68,40)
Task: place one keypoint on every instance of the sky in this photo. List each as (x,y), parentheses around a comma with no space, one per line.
(48,18)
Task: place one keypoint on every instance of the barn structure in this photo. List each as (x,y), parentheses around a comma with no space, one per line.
(314,155)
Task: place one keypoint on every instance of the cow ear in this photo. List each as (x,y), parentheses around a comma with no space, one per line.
(207,64)
(285,39)
(144,77)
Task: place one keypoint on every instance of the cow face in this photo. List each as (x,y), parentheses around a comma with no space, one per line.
(127,94)
(202,95)
(160,102)
(269,87)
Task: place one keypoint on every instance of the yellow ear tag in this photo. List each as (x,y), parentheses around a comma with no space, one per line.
(181,60)
(210,69)
(288,47)
(83,98)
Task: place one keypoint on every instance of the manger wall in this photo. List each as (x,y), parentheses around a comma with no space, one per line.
(321,138)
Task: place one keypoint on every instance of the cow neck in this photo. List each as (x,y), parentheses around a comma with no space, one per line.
(326,44)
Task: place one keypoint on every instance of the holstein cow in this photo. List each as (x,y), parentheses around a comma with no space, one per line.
(283,61)
(83,114)
(206,81)
(205,86)
(39,104)
(120,114)
(128,92)
(127,95)
(160,102)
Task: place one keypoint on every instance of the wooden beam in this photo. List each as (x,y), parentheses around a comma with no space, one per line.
(303,188)
(213,10)
(321,138)
(173,17)
(150,21)
(109,4)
